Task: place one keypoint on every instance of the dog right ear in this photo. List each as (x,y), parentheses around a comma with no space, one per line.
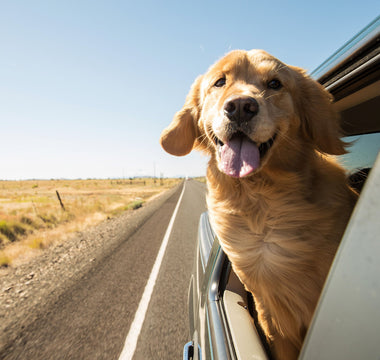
(179,137)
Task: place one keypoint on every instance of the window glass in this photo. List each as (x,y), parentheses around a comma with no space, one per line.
(362,152)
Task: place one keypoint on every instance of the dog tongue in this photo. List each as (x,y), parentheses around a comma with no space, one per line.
(239,157)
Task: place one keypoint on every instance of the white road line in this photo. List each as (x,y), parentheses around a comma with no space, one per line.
(135,329)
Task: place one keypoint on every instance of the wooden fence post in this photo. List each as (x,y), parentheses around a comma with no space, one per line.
(60,201)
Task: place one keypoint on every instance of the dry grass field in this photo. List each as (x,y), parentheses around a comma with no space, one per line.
(32,217)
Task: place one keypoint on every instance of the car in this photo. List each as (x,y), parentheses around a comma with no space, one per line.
(346,323)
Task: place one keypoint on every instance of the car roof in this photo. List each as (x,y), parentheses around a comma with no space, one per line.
(352,76)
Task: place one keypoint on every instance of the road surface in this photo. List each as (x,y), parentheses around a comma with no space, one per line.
(92,319)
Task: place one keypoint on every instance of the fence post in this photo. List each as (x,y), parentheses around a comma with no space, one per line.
(60,201)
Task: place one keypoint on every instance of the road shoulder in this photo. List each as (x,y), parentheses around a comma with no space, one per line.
(25,291)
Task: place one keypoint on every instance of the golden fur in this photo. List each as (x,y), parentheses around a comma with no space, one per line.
(280,225)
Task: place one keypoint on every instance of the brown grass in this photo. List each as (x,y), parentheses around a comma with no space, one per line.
(31,217)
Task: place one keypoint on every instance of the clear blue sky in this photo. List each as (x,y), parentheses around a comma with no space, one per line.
(86,87)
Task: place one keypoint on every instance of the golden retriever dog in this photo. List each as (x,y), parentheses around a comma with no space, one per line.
(278,204)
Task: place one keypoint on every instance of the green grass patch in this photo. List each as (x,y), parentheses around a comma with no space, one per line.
(37,243)
(4,260)
(135,205)
(12,230)
(6,230)
(3,240)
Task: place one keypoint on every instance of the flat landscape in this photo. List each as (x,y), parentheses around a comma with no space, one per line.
(78,297)
(37,213)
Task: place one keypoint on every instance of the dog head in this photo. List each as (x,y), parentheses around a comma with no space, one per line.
(251,111)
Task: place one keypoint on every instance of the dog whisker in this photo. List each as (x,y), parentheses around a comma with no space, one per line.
(271,96)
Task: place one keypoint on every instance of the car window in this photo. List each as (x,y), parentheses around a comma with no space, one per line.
(362,152)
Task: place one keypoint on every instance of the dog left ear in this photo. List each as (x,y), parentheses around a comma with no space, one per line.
(180,136)
(319,120)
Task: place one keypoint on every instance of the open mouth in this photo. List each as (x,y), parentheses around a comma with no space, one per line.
(264,147)
(240,156)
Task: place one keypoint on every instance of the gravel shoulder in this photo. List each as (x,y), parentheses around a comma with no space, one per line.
(27,290)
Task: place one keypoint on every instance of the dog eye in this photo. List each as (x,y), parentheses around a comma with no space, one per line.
(221,82)
(274,84)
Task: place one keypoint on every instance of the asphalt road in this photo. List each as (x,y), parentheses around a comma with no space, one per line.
(92,319)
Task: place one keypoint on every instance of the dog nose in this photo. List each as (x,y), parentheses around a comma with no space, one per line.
(241,109)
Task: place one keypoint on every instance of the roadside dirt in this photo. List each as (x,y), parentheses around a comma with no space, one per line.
(27,290)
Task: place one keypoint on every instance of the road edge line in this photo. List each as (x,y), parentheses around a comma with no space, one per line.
(130,343)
